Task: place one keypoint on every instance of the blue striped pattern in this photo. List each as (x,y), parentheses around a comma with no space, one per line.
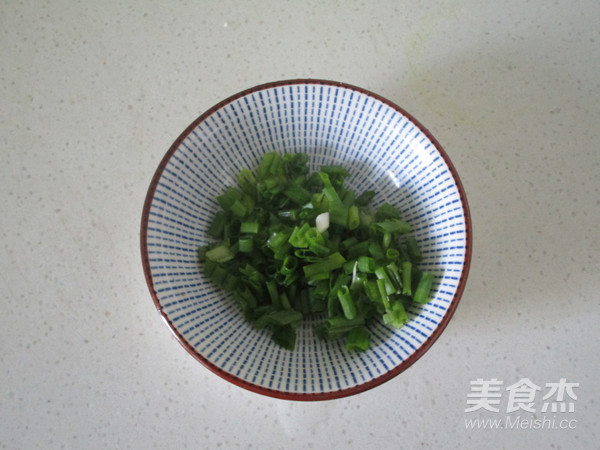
(382,149)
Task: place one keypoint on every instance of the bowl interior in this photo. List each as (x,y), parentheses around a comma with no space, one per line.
(385,150)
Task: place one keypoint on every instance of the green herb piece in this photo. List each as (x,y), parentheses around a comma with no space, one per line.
(347,303)
(326,265)
(358,339)
(249,227)
(423,288)
(393,226)
(220,254)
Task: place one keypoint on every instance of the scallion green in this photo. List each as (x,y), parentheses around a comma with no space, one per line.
(291,244)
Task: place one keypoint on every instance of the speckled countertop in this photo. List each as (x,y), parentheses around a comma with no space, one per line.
(92,95)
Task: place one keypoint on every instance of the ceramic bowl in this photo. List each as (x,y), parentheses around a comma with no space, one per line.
(384,148)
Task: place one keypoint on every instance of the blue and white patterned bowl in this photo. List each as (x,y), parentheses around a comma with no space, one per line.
(384,148)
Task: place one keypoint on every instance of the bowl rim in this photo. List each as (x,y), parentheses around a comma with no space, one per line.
(293,395)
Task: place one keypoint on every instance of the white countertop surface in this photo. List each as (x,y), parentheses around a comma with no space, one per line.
(92,95)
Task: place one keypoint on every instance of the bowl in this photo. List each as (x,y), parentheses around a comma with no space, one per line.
(384,148)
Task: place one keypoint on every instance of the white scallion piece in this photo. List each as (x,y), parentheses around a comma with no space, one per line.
(322,222)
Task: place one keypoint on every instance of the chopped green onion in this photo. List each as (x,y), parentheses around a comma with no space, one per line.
(202,253)
(273,293)
(394,274)
(229,283)
(347,303)
(348,198)
(376,251)
(307,255)
(372,290)
(297,194)
(353,217)
(387,211)
(328,264)
(218,274)
(396,315)
(249,227)
(406,278)
(285,301)
(269,165)
(218,225)
(383,295)
(278,239)
(289,265)
(247,182)
(358,339)
(278,318)
(229,197)
(246,244)
(393,226)
(381,274)
(365,198)
(293,243)
(413,249)
(220,254)
(366,264)
(386,240)
(338,326)
(239,209)
(423,288)
(285,336)
(359,249)
(391,254)
(298,237)
(289,215)
(322,222)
